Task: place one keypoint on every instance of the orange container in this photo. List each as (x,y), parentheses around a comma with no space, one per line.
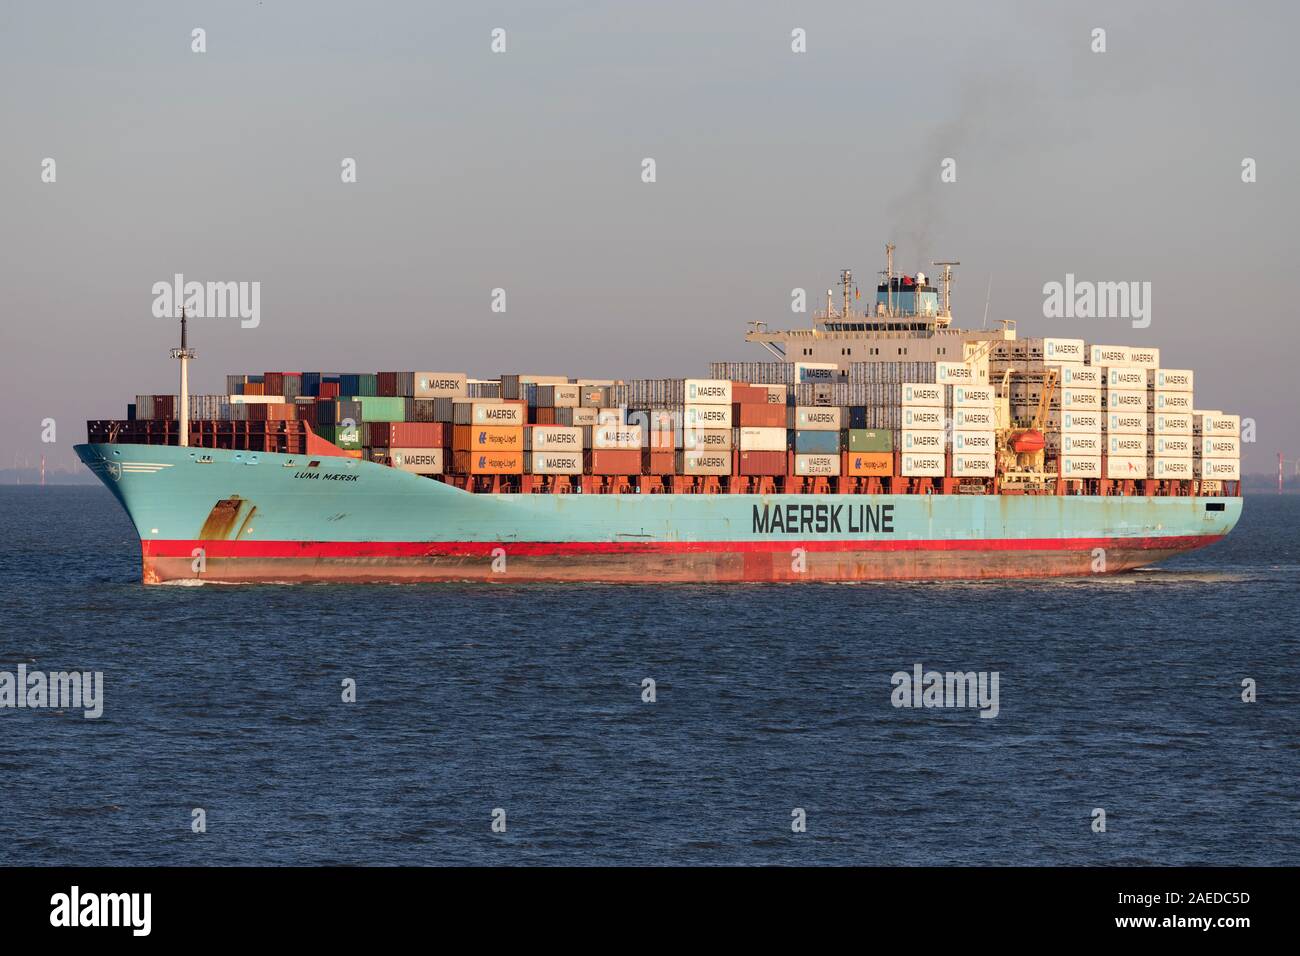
(759,416)
(659,461)
(613,461)
(487,438)
(862,464)
(487,462)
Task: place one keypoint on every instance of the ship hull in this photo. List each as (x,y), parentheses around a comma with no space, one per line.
(244,517)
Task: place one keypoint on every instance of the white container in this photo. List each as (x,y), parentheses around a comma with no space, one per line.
(708,391)
(555,463)
(815,418)
(1126,469)
(1173,402)
(1126,446)
(1171,468)
(609,416)
(419,461)
(1080,466)
(1126,400)
(1171,379)
(1090,423)
(762,439)
(1081,445)
(1219,469)
(1108,355)
(1216,423)
(1082,399)
(1218,446)
(923,441)
(553,438)
(817,465)
(1080,376)
(613,437)
(1126,423)
(706,439)
(973,465)
(975,443)
(973,419)
(1119,376)
(1172,446)
(815,372)
(1144,358)
(972,396)
(489,412)
(954,373)
(923,466)
(254,400)
(706,416)
(559,396)
(915,394)
(432,384)
(1162,424)
(704,462)
(924,418)
(1058,351)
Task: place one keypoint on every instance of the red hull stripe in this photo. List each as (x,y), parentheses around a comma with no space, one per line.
(422,549)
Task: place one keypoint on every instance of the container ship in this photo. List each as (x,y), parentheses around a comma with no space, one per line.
(879,444)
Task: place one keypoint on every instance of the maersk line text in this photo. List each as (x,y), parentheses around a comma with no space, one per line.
(823,519)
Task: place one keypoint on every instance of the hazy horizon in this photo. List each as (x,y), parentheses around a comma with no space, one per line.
(522,170)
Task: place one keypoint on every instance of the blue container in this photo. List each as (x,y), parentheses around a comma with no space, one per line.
(857,416)
(816,443)
(311,383)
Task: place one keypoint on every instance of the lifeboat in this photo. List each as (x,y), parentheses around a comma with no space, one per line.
(1027,441)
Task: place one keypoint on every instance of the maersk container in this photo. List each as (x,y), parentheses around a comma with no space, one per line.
(1126,423)
(815,372)
(816,442)
(1083,399)
(706,439)
(923,466)
(707,391)
(915,441)
(812,465)
(1076,444)
(1174,402)
(815,418)
(1108,355)
(1172,446)
(761,439)
(919,393)
(1145,358)
(489,412)
(869,440)
(577,416)
(1080,466)
(933,417)
(1171,424)
(1052,351)
(559,396)
(1218,446)
(972,396)
(1127,400)
(707,416)
(975,443)
(1171,379)
(955,373)
(1180,468)
(1121,376)
(1081,422)
(432,384)
(1216,423)
(704,462)
(1219,469)
(974,465)
(1125,468)
(614,438)
(973,419)
(554,462)
(1126,446)
(554,438)
(1080,376)
(420,461)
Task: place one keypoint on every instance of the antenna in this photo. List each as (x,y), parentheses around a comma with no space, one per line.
(987,295)
(947,282)
(184,353)
(846,279)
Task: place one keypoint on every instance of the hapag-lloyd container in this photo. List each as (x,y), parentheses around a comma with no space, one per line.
(476,462)
(973,465)
(868,464)
(1172,446)
(1171,424)
(1220,469)
(554,462)
(1126,446)
(923,441)
(1171,379)
(1218,446)
(817,465)
(1125,468)
(419,461)
(490,437)
(489,412)
(707,391)
(815,418)
(1127,400)
(1174,402)
(761,439)
(554,438)
(1171,468)
(1080,466)
(704,462)
(922,466)
(1126,423)
(1119,376)
(706,439)
(974,443)
(707,416)
(918,393)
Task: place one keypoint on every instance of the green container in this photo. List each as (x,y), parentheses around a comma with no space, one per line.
(382,408)
(870,439)
(346,437)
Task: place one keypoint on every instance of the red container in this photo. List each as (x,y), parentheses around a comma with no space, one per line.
(758,416)
(656,461)
(386,383)
(606,461)
(329,389)
(407,434)
(761,462)
(273,383)
(743,393)
(543,416)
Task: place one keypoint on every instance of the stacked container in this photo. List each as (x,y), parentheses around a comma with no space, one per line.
(1217,446)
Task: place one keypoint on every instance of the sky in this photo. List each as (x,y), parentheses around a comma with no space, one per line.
(522,171)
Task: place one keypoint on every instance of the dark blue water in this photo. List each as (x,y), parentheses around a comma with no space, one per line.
(1120,692)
